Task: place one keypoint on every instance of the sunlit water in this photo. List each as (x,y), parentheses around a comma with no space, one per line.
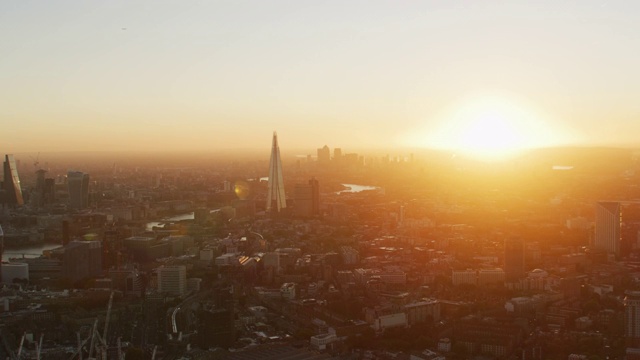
(27,252)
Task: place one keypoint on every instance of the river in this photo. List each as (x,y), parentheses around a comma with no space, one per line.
(35,251)
(28,252)
(350,188)
(354,188)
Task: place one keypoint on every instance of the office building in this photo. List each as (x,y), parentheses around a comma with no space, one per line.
(14,270)
(337,155)
(1,249)
(632,323)
(490,277)
(78,185)
(276,200)
(514,259)
(217,326)
(608,219)
(82,260)
(37,196)
(324,154)
(13,191)
(172,280)
(307,199)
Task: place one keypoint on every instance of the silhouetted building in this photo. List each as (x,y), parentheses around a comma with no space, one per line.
(513,259)
(172,280)
(632,323)
(276,200)
(37,197)
(608,219)
(82,260)
(216,325)
(78,183)
(307,199)
(11,184)
(111,248)
(49,192)
(1,249)
(324,154)
(337,155)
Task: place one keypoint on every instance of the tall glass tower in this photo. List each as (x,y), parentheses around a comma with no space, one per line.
(12,182)
(276,200)
(608,219)
(78,183)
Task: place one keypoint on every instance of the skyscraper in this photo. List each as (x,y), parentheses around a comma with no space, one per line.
(632,323)
(82,259)
(608,219)
(78,184)
(307,199)
(172,279)
(276,200)
(513,259)
(11,183)
(1,249)
(324,154)
(37,196)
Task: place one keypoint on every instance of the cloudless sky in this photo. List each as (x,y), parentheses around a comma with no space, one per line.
(205,75)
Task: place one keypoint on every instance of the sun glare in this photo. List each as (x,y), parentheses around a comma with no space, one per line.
(488,128)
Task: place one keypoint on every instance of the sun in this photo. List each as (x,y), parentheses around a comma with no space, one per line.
(490,136)
(490,128)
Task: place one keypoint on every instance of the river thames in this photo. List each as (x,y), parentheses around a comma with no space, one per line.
(35,251)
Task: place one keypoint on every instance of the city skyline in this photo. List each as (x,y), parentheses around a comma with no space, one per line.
(481,78)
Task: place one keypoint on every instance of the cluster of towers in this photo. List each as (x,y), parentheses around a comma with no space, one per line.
(11,193)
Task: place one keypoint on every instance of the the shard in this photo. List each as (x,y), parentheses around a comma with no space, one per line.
(276,200)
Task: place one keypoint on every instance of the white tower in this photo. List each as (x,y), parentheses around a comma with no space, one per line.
(275,194)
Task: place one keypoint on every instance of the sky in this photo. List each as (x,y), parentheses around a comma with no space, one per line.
(209,75)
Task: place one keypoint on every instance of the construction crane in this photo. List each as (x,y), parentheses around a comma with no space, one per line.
(35,160)
(153,354)
(103,338)
(39,347)
(98,342)
(120,354)
(20,346)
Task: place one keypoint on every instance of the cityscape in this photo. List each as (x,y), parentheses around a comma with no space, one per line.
(332,255)
(309,180)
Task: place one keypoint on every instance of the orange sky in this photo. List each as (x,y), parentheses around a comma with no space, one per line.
(122,75)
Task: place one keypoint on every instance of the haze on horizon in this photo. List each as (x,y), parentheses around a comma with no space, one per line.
(202,76)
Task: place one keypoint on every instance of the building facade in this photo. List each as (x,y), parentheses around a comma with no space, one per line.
(276,200)
(172,280)
(514,267)
(78,185)
(307,199)
(11,183)
(608,219)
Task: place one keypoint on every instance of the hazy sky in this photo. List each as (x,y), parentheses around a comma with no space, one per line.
(201,75)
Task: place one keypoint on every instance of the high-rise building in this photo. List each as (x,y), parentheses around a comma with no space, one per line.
(37,195)
(1,249)
(13,191)
(632,323)
(307,199)
(337,155)
(324,154)
(216,328)
(82,259)
(172,280)
(78,184)
(513,259)
(608,219)
(276,200)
